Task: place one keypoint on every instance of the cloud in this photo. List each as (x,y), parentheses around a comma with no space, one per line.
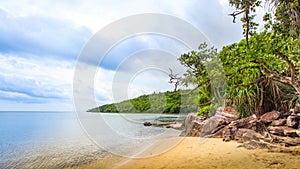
(40,42)
(143,72)
(31,81)
(212,18)
(41,36)
(130,46)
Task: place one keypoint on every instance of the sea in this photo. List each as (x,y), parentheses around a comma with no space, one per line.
(57,139)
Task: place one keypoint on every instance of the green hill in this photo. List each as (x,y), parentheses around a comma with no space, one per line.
(163,102)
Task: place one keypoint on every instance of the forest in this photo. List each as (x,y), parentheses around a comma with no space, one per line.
(261,72)
(180,101)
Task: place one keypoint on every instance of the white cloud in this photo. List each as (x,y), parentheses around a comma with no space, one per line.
(35,81)
(59,28)
(94,13)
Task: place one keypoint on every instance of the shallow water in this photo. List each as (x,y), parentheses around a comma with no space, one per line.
(57,140)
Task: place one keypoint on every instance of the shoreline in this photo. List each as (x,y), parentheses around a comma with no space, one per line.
(194,152)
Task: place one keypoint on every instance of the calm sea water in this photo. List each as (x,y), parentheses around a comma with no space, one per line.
(57,139)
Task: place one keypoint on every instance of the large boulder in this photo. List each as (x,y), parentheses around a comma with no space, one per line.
(276,130)
(269,117)
(188,121)
(229,133)
(283,131)
(291,141)
(252,144)
(248,122)
(192,125)
(227,113)
(279,122)
(291,132)
(292,121)
(211,124)
(209,127)
(214,125)
(243,135)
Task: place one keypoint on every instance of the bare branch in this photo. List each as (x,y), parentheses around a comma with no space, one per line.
(174,79)
(234,14)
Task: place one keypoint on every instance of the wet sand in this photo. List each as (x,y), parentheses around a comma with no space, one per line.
(194,153)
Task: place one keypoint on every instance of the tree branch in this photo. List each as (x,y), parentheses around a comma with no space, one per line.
(291,65)
(234,14)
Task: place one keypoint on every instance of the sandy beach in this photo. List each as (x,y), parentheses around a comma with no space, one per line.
(194,152)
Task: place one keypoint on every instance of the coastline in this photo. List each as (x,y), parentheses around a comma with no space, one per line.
(193,152)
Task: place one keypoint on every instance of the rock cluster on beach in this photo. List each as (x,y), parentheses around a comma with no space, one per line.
(273,127)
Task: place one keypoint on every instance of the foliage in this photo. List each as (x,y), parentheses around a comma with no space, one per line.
(261,70)
(248,8)
(205,72)
(168,102)
(286,17)
(261,78)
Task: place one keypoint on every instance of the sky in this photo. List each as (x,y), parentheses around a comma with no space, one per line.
(41,41)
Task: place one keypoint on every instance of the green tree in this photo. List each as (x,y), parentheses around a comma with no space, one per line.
(285,19)
(262,77)
(247,8)
(204,72)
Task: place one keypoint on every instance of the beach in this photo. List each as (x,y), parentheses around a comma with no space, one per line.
(193,152)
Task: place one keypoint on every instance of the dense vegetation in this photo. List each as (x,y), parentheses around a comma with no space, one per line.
(166,102)
(260,71)
(258,74)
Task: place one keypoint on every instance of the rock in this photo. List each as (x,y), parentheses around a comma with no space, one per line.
(209,127)
(291,141)
(147,123)
(218,132)
(283,131)
(248,122)
(191,133)
(192,125)
(286,114)
(195,131)
(277,130)
(228,113)
(187,123)
(292,121)
(270,116)
(229,133)
(244,135)
(291,132)
(211,124)
(253,144)
(280,122)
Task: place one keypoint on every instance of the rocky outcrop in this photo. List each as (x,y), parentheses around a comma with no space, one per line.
(192,125)
(270,117)
(244,135)
(273,127)
(208,127)
(279,122)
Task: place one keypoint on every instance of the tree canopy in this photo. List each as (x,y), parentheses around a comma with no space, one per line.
(262,70)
